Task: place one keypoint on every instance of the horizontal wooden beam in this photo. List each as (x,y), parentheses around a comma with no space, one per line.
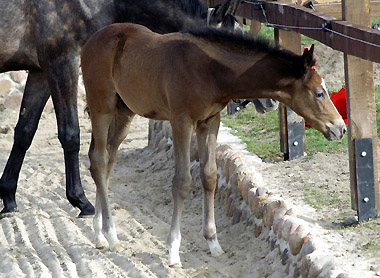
(335,9)
(305,18)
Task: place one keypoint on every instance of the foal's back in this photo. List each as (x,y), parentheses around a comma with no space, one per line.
(147,70)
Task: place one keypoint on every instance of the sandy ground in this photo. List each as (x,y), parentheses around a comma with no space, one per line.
(46,239)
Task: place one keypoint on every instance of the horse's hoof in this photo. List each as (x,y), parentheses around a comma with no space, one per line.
(175,265)
(216,252)
(101,242)
(8,212)
(214,246)
(88,211)
(115,247)
(174,260)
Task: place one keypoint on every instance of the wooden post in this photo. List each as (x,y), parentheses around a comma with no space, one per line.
(292,126)
(255,27)
(360,98)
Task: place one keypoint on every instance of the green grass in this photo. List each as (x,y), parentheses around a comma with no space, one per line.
(320,198)
(268,33)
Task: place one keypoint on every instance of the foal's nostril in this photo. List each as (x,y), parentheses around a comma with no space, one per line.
(344,129)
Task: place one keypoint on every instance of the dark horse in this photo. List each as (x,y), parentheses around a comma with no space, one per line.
(45,38)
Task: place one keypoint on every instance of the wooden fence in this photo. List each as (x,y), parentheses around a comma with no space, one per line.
(344,26)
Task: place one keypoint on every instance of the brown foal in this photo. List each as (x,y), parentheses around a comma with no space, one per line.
(187,78)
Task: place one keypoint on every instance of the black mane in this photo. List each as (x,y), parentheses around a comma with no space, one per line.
(238,39)
(293,62)
(194,8)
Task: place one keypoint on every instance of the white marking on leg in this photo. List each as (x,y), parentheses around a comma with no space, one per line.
(111,236)
(174,259)
(100,240)
(214,246)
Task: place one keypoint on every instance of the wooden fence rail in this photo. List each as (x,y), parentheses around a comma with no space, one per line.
(301,19)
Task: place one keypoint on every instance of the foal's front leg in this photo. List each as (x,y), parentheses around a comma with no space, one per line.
(182,129)
(206,138)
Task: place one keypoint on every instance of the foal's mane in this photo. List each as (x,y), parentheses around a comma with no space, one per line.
(194,8)
(244,42)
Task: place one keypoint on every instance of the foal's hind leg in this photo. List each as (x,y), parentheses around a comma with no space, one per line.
(33,102)
(182,129)
(99,158)
(117,132)
(206,138)
(110,125)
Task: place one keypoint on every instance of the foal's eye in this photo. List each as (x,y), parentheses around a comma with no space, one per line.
(319,94)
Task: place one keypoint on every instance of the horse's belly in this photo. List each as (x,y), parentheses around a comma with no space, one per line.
(16,52)
(147,104)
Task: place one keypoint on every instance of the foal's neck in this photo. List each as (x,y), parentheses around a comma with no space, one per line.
(255,75)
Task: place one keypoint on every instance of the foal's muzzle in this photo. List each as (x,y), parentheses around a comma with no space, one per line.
(335,130)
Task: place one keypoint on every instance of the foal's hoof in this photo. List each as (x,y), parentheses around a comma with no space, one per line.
(215,248)
(174,260)
(175,264)
(115,247)
(101,242)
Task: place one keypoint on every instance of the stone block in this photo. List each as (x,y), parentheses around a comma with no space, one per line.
(297,239)
(19,76)
(248,180)
(269,210)
(13,101)
(230,205)
(234,178)
(278,215)
(257,206)
(5,87)
(221,149)
(221,160)
(227,163)
(287,226)
(308,246)
(258,230)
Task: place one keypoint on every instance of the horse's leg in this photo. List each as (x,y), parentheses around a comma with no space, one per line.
(206,138)
(182,129)
(117,132)
(99,160)
(36,94)
(62,76)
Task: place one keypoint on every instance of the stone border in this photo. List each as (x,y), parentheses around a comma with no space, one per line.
(240,189)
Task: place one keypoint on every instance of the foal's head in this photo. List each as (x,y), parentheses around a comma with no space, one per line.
(310,99)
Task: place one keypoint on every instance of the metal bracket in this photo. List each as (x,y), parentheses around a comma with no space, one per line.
(292,133)
(232,107)
(365,178)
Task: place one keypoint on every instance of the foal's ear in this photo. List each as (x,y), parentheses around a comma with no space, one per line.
(308,57)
